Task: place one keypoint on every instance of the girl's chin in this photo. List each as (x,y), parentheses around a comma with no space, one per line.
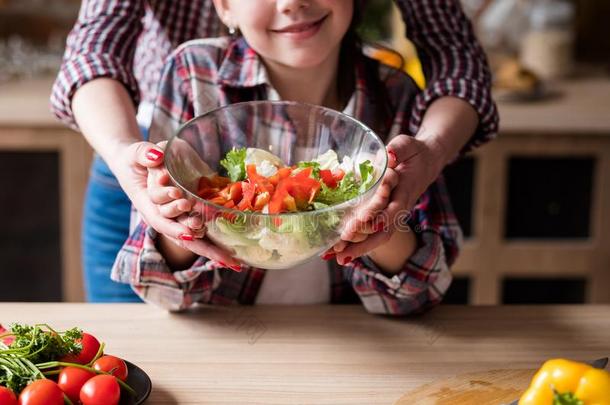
(301,61)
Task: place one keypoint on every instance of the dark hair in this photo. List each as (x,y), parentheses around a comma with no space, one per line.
(351,57)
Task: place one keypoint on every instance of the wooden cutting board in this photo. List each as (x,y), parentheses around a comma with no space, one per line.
(494,387)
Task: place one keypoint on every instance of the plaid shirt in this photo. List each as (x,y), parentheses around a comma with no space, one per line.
(205,74)
(128,40)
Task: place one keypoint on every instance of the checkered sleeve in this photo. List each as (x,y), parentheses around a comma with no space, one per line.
(141,265)
(454,63)
(102,43)
(425,277)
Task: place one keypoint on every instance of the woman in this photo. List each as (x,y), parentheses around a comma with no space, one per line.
(113,62)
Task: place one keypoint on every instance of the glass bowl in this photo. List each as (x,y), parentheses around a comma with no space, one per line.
(293,132)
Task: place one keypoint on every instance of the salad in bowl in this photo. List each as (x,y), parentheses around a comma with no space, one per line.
(275,182)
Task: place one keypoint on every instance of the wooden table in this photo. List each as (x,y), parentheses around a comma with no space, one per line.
(324,354)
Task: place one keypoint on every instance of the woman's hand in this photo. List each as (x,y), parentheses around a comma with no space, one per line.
(417,161)
(412,167)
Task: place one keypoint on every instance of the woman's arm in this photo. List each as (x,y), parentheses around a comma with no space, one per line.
(102,43)
(454,65)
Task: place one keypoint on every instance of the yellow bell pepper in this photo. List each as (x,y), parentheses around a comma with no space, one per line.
(565,382)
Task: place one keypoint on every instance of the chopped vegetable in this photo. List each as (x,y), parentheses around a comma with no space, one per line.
(235,164)
(38,352)
(258,181)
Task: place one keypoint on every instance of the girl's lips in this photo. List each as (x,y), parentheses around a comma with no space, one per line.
(302,30)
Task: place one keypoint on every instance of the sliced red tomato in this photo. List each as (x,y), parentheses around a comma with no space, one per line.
(248,194)
(281,173)
(42,392)
(276,205)
(90,346)
(71,380)
(218,200)
(328,178)
(7,397)
(101,390)
(332,178)
(261,200)
(220,181)
(112,365)
(261,182)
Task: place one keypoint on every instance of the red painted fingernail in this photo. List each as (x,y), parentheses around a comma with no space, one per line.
(223,264)
(392,155)
(235,268)
(329,255)
(378,227)
(187,237)
(154,154)
(347,260)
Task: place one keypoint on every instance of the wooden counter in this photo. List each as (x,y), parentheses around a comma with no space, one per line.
(322,354)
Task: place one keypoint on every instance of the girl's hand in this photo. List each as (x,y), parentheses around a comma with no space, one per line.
(172,205)
(413,166)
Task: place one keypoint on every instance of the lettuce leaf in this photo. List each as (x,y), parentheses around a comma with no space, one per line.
(367,176)
(235,164)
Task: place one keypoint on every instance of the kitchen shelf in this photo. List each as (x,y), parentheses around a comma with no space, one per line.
(28,127)
(573,126)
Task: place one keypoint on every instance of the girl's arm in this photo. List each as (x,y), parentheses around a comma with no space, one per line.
(410,272)
(140,264)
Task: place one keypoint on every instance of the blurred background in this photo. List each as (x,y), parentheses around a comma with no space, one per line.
(534,204)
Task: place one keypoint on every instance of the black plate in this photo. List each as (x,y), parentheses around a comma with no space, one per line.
(140,382)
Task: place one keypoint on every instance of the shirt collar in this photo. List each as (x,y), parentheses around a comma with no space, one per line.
(242,67)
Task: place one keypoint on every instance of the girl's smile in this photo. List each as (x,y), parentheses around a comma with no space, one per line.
(301,31)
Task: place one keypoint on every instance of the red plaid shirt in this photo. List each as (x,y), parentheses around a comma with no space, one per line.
(205,74)
(128,40)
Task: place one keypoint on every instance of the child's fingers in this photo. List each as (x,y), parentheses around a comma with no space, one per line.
(398,210)
(164,195)
(204,247)
(357,237)
(370,218)
(353,250)
(175,208)
(340,246)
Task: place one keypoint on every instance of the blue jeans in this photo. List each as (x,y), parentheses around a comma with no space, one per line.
(105,229)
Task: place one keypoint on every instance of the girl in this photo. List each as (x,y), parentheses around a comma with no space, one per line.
(303,51)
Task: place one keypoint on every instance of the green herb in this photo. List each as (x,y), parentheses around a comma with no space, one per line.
(37,348)
(235,164)
(32,345)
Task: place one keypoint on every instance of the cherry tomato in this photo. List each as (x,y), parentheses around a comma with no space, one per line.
(112,365)
(101,390)
(72,379)
(41,392)
(90,347)
(7,397)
